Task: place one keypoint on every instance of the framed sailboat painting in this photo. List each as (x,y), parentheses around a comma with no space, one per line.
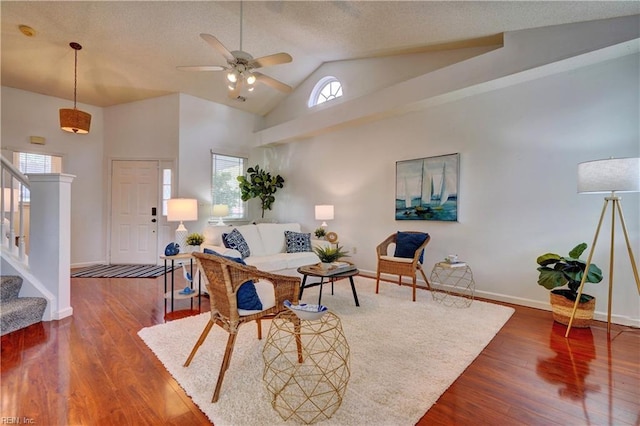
(427,188)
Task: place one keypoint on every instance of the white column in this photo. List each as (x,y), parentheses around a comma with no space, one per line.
(50,238)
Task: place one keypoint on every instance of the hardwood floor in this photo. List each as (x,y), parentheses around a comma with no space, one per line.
(92,369)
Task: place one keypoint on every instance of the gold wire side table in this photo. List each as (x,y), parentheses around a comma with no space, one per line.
(310,390)
(456,285)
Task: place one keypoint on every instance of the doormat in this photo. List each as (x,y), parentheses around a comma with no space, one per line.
(120,271)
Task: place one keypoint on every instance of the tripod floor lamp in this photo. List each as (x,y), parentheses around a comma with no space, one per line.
(609,176)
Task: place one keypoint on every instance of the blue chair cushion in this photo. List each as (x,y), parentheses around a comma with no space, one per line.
(407,244)
(247,297)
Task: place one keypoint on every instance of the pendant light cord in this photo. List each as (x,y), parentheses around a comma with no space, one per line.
(75,79)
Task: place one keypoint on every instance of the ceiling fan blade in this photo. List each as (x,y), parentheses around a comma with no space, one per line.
(233,94)
(203,68)
(215,43)
(275,59)
(269,81)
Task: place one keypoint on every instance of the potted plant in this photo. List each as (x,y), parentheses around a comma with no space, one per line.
(320,232)
(260,184)
(557,271)
(193,241)
(327,255)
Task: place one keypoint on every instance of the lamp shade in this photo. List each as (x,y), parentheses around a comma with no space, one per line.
(182,209)
(75,121)
(220,210)
(324,212)
(614,174)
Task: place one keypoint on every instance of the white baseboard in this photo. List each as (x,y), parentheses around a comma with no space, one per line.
(530,303)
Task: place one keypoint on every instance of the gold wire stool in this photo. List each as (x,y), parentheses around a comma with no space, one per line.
(308,389)
(457,287)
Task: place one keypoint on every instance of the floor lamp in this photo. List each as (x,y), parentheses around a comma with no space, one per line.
(604,176)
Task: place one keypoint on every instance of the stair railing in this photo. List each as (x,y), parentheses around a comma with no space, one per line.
(15,186)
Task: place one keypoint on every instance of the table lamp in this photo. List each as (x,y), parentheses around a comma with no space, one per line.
(220,211)
(324,213)
(608,176)
(179,210)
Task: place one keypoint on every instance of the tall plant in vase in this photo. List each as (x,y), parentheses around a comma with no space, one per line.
(260,184)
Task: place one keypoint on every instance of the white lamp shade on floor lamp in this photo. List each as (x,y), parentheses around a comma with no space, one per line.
(324,212)
(610,175)
(220,211)
(180,210)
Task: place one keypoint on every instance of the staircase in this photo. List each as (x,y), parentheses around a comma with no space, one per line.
(18,312)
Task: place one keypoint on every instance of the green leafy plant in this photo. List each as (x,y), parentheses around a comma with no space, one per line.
(195,239)
(330,254)
(260,184)
(320,233)
(557,271)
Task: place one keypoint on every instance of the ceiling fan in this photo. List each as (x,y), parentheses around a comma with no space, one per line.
(241,67)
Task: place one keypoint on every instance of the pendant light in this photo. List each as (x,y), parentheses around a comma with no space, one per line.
(74,120)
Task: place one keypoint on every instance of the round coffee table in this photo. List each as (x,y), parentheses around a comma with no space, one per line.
(315,271)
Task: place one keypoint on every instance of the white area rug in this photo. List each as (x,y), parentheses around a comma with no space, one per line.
(404,355)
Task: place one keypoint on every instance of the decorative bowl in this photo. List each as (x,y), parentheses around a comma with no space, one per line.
(307,312)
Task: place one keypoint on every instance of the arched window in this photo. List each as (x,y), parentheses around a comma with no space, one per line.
(326,89)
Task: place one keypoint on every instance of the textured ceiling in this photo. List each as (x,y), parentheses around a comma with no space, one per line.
(131,49)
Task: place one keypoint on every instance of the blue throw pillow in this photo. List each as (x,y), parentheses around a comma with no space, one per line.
(297,242)
(235,259)
(408,243)
(248,297)
(235,240)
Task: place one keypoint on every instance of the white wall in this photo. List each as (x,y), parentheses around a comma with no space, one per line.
(204,127)
(27,114)
(367,75)
(519,149)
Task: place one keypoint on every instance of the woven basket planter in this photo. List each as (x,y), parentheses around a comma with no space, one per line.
(563,307)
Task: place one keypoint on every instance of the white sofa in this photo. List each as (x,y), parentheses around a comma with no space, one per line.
(267,245)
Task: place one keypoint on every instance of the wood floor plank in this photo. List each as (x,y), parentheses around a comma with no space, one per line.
(93,369)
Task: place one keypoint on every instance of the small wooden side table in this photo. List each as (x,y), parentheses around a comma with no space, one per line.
(311,390)
(175,294)
(456,284)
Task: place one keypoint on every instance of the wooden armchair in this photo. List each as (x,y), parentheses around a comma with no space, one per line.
(401,265)
(223,277)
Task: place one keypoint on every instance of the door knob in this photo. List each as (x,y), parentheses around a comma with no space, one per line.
(153,220)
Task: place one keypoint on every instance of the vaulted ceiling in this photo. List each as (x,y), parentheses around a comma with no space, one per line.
(131,49)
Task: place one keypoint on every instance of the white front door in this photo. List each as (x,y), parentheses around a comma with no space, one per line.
(134,212)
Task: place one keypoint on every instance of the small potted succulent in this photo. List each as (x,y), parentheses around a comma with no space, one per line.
(193,242)
(557,271)
(327,255)
(320,233)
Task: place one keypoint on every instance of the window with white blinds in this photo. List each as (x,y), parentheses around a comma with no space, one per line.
(225,188)
(28,162)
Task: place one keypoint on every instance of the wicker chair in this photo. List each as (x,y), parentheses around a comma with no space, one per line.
(399,265)
(222,278)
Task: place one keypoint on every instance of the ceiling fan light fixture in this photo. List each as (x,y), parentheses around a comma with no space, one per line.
(75,120)
(251,79)
(232,76)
